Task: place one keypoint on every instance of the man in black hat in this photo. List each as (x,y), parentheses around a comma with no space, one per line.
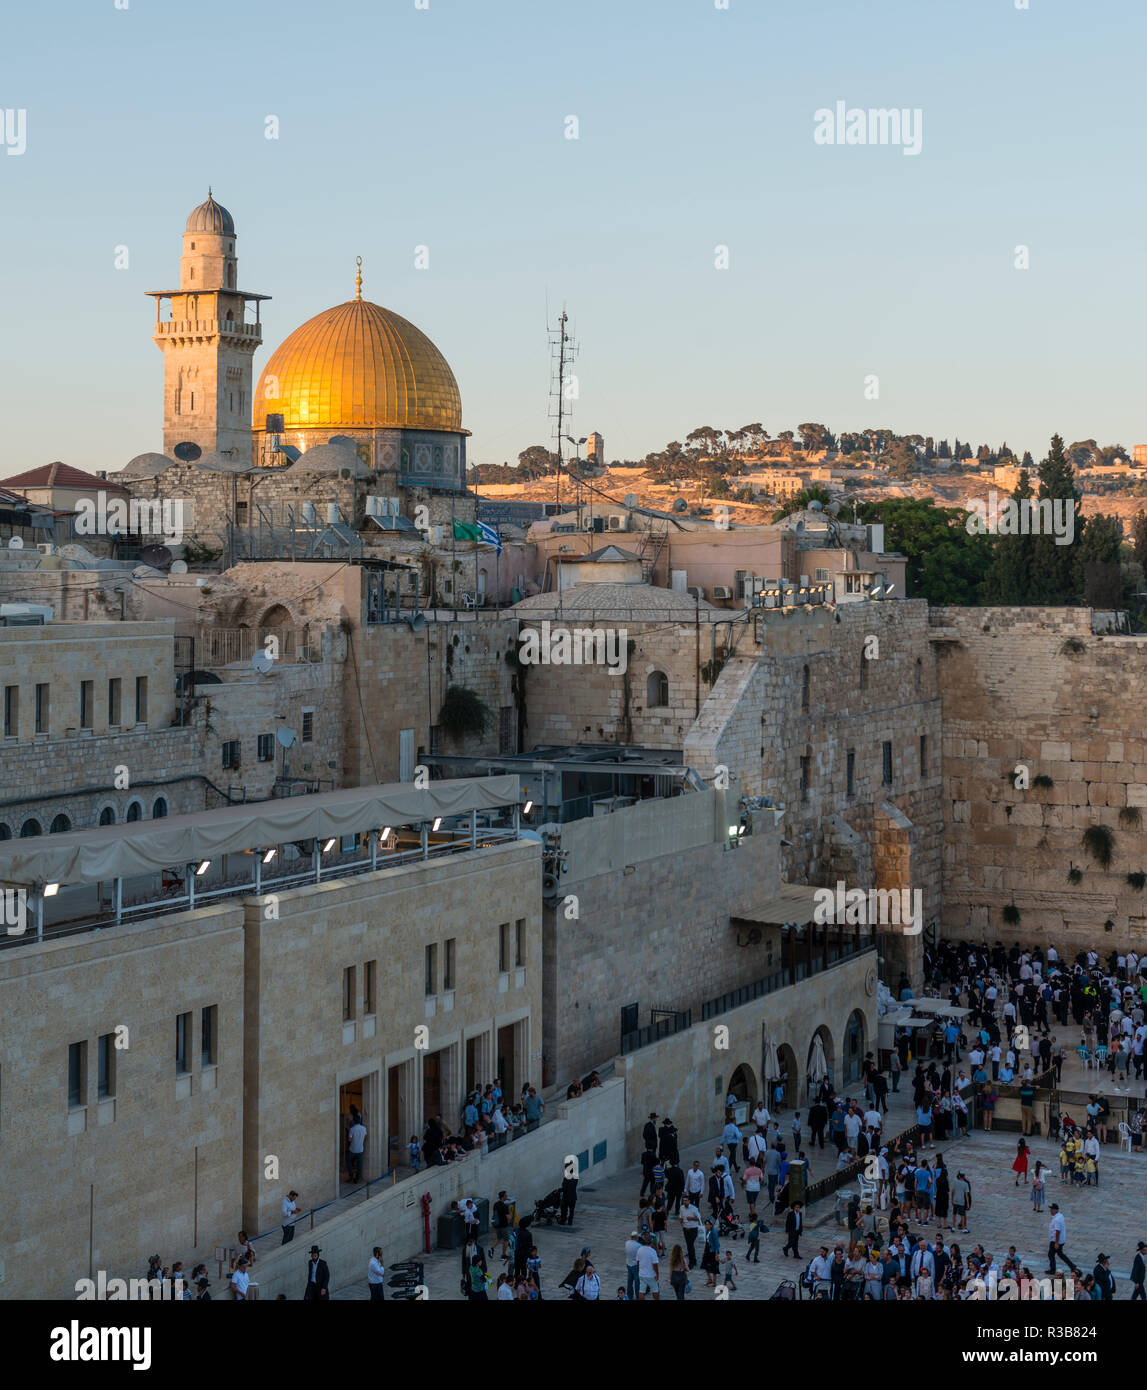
(318,1278)
(1104,1277)
(649,1133)
(203,1285)
(1139,1272)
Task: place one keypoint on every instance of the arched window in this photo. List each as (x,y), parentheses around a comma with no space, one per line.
(805,688)
(230,277)
(5,831)
(60,824)
(863,669)
(134,812)
(657,690)
(918,675)
(107,816)
(159,810)
(30,828)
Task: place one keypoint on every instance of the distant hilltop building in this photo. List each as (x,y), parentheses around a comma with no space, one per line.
(595,449)
(1139,454)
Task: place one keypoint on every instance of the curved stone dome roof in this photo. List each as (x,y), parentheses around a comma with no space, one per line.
(211,217)
(146,466)
(359,364)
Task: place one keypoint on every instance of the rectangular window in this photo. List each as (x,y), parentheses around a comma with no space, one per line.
(368,987)
(448,965)
(266,748)
(308,725)
(78,1074)
(821,576)
(806,684)
(503,947)
(87,698)
(923,755)
(182,1044)
(114,700)
(805,761)
(887,764)
(11,711)
(43,708)
(105,1066)
(431,970)
(209,1035)
(230,752)
(519,943)
(141,698)
(348,994)
(850,773)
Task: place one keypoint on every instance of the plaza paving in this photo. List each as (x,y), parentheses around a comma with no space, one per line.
(1110,1217)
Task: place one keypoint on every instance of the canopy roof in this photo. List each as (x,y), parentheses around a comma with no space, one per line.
(793,906)
(140,847)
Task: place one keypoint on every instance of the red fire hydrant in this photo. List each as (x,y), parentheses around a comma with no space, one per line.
(424,1201)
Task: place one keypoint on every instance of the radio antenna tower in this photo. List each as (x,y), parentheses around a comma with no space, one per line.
(563,388)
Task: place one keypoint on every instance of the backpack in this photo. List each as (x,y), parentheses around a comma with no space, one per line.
(477,1278)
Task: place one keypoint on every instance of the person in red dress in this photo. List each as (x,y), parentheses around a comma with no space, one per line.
(1020,1166)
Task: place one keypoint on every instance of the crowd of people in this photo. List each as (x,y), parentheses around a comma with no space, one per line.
(488,1119)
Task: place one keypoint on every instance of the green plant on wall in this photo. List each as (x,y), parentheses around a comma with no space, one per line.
(1099,842)
(464,713)
(1042,781)
(1074,875)
(1011,914)
(1137,880)
(1130,817)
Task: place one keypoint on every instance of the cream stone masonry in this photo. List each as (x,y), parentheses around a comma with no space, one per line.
(1036,686)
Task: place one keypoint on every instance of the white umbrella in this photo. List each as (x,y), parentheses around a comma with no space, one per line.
(817,1063)
(772,1063)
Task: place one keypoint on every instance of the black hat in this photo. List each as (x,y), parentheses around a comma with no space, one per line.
(204,1283)
(653,1114)
(314,1250)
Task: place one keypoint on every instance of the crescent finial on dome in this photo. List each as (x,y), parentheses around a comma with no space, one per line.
(358,278)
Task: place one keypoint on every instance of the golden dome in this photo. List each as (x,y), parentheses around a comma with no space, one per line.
(359,364)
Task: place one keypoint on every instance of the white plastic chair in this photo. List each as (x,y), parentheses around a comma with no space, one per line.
(1124,1135)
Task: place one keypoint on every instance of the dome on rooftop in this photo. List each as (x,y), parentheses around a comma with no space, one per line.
(211,217)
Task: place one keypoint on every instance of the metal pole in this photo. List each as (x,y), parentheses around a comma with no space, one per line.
(317,858)
(39,916)
(473,829)
(258,871)
(189,870)
(118,901)
(373,851)
(425,840)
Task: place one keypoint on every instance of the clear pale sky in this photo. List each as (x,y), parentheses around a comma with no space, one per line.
(445,127)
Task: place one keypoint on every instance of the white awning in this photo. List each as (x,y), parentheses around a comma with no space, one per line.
(793,906)
(140,847)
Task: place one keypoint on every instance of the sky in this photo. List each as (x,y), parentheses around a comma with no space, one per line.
(443,124)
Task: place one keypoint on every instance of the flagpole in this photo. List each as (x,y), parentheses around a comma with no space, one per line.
(453,559)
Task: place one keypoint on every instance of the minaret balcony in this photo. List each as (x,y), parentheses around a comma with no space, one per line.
(208,328)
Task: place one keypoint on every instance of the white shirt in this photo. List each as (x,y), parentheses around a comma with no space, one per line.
(690,1219)
(469,1211)
(375,1271)
(851,1128)
(1057,1229)
(872,1118)
(631,1248)
(820,1267)
(647,1262)
(356,1137)
(500,1127)
(761,1117)
(289,1210)
(997,1053)
(505,1293)
(239,1281)
(589,1286)
(695,1180)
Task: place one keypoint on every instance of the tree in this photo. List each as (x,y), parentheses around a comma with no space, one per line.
(537,461)
(1139,535)
(1028,462)
(1055,575)
(902,463)
(929,450)
(1008,580)
(943,450)
(1097,561)
(945,564)
(812,437)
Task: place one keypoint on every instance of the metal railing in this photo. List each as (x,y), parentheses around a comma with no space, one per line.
(782,978)
(664,1024)
(221,646)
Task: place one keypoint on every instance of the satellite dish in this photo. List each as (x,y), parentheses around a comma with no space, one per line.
(262,662)
(833,509)
(815,506)
(632,500)
(187,452)
(416,622)
(15,543)
(287,738)
(157,556)
(178,567)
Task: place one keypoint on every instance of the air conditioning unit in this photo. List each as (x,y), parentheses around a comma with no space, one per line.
(45,547)
(695,591)
(617,523)
(722,591)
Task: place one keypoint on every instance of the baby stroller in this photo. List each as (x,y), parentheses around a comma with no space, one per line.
(786,1289)
(729,1224)
(547,1208)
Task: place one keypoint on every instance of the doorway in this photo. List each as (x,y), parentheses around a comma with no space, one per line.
(352,1105)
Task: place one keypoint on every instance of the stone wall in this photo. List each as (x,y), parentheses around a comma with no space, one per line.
(656,885)
(1015,694)
(687,1076)
(526,1170)
(153,1168)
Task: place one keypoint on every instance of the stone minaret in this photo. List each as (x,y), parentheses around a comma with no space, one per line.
(207,344)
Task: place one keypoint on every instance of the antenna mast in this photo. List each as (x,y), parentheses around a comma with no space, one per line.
(563,350)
